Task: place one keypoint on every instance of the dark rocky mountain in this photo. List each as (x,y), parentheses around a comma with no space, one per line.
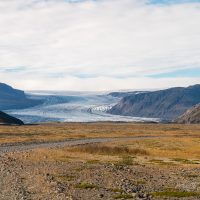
(11,98)
(7,119)
(191,116)
(165,104)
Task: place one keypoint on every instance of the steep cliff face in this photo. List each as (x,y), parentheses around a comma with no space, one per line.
(166,104)
(191,116)
(7,119)
(11,98)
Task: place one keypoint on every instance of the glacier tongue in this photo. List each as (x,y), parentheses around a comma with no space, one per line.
(76,107)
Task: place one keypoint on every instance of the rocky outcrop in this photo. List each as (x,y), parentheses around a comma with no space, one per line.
(165,104)
(11,98)
(191,116)
(7,119)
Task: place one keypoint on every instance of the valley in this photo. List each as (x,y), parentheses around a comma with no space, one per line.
(72,107)
(99,99)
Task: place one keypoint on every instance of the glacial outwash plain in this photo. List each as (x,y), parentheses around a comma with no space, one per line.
(102,160)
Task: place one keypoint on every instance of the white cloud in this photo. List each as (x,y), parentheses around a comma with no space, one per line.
(58,42)
(95,84)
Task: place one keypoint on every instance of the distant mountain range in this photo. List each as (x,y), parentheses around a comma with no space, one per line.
(11,98)
(7,119)
(191,116)
(124,94)
(165,104)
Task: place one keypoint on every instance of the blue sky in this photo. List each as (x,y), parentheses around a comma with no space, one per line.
(194,72)
(99,45)
(172,1)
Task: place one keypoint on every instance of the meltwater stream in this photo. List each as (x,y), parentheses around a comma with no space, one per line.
(72,107)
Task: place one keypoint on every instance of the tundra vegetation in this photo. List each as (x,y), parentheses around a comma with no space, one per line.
(144,161)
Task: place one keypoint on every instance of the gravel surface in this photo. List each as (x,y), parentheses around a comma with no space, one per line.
(22,177)
(6,148)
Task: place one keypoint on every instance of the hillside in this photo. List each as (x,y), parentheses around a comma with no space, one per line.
(124,94)
(165,104)
(7,119)
(191,116)
(11,98)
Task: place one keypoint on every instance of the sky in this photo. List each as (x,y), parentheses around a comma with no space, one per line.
(99,45)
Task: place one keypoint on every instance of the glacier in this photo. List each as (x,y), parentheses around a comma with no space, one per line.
(72,107)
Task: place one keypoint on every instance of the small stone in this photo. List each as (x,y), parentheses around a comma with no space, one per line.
(101,195)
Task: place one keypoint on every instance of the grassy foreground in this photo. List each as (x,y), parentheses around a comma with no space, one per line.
(136,168)
(62,131)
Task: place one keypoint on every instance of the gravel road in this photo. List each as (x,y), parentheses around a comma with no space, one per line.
(6,148)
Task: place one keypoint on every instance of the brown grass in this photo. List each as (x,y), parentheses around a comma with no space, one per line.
(62,131)
(173,147)
(109,150)
(181,145)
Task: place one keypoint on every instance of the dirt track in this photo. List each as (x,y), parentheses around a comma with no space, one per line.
(6,148)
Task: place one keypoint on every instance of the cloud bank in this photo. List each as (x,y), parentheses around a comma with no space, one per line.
(98,45)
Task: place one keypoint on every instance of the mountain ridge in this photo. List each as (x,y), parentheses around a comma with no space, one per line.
(11,98)
(166,104)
